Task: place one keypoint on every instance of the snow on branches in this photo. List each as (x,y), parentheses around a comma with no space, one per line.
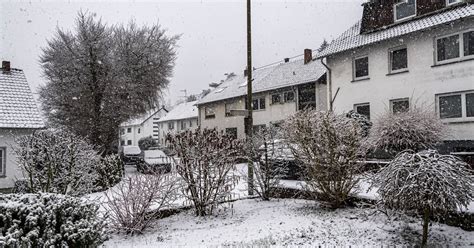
(57,162)
(131,202)
(270,160)
(417,129)
(425,182)
(329,146)
(206,162)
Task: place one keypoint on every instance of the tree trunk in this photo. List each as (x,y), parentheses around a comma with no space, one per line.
(426,222)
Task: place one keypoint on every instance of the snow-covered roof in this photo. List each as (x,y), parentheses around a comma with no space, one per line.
(352,38)
(18,108)
(268,78)
(185,110)
(139,120)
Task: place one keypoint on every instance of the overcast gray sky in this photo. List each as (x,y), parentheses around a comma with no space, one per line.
(213,38)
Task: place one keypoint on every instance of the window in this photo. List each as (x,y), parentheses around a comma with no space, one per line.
(183,125)
(361,67)
(456,106)
(307,96)
(449,48)
(122,142)
(190,124)
(363,109)
(232,132)
(2,161)
(209,113)
(229,107)
(138,130)
(122,131)
(398,60)
(404,10)
(399,105)
(258,104)
(289,96)
(170,125)
(129,130)
(451,2)
(129,142)
(276,98)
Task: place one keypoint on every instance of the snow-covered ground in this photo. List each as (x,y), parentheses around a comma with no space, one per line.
(288,222)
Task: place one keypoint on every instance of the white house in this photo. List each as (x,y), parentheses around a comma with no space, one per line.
(279,91)
(146,125)
(406,53)
(183,116)
(19,115)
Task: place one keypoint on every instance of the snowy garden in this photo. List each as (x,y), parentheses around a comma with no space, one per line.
(74,196)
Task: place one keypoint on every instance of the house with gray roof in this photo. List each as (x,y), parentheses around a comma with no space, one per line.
(143,126)
(408,53)
(19,115)
(182,117)
(279,91)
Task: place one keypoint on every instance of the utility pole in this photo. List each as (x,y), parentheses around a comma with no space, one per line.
(249,120)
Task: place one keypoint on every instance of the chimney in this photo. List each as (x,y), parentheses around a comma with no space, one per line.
(287,60)
(246,73)
(308,56)
(6,66)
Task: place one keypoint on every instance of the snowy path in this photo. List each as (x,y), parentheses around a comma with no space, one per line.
(288,222)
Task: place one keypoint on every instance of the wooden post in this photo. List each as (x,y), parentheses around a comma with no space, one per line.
(249,121)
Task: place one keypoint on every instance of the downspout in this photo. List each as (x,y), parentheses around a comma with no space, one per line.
(329,91)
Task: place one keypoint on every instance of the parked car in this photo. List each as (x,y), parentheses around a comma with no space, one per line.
(281,155)
(154,161)
(130,154)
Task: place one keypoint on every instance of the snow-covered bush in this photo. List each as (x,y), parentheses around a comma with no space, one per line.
(110,171)
(147,142)
(57,161)
(206,163)
(329,146)
(417,129)
(426,182)
(269,157)
(130,203)
(363,121)
(49,220)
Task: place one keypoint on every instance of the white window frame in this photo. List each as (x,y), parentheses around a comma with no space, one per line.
(461,57)
(3,158)
(390,56)
(464,117)
(259,99)
(209,116)
(354,67)
(361,105)
(403,99)
(453,3)
(404,18)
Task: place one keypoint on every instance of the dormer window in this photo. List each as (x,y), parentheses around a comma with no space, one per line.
(451,2)
(404,9)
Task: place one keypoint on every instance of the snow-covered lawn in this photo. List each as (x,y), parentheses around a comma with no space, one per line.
(288,222)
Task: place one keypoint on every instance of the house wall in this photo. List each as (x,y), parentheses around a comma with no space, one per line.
(164,130)
(148,128)
(273,113)
(420,84)
(12,171)
(134,136)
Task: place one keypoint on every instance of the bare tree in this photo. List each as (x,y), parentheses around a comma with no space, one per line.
(100,76)
(329,146)
(131,203)
(270,156)
(206,163)
(416,129)
(425,182)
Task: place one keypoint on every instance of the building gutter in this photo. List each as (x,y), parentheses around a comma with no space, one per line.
(329,83)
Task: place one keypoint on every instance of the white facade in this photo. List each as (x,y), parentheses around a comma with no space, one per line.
(423,83)
(273,114)
(183,116)
(9,169)
(132,131)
